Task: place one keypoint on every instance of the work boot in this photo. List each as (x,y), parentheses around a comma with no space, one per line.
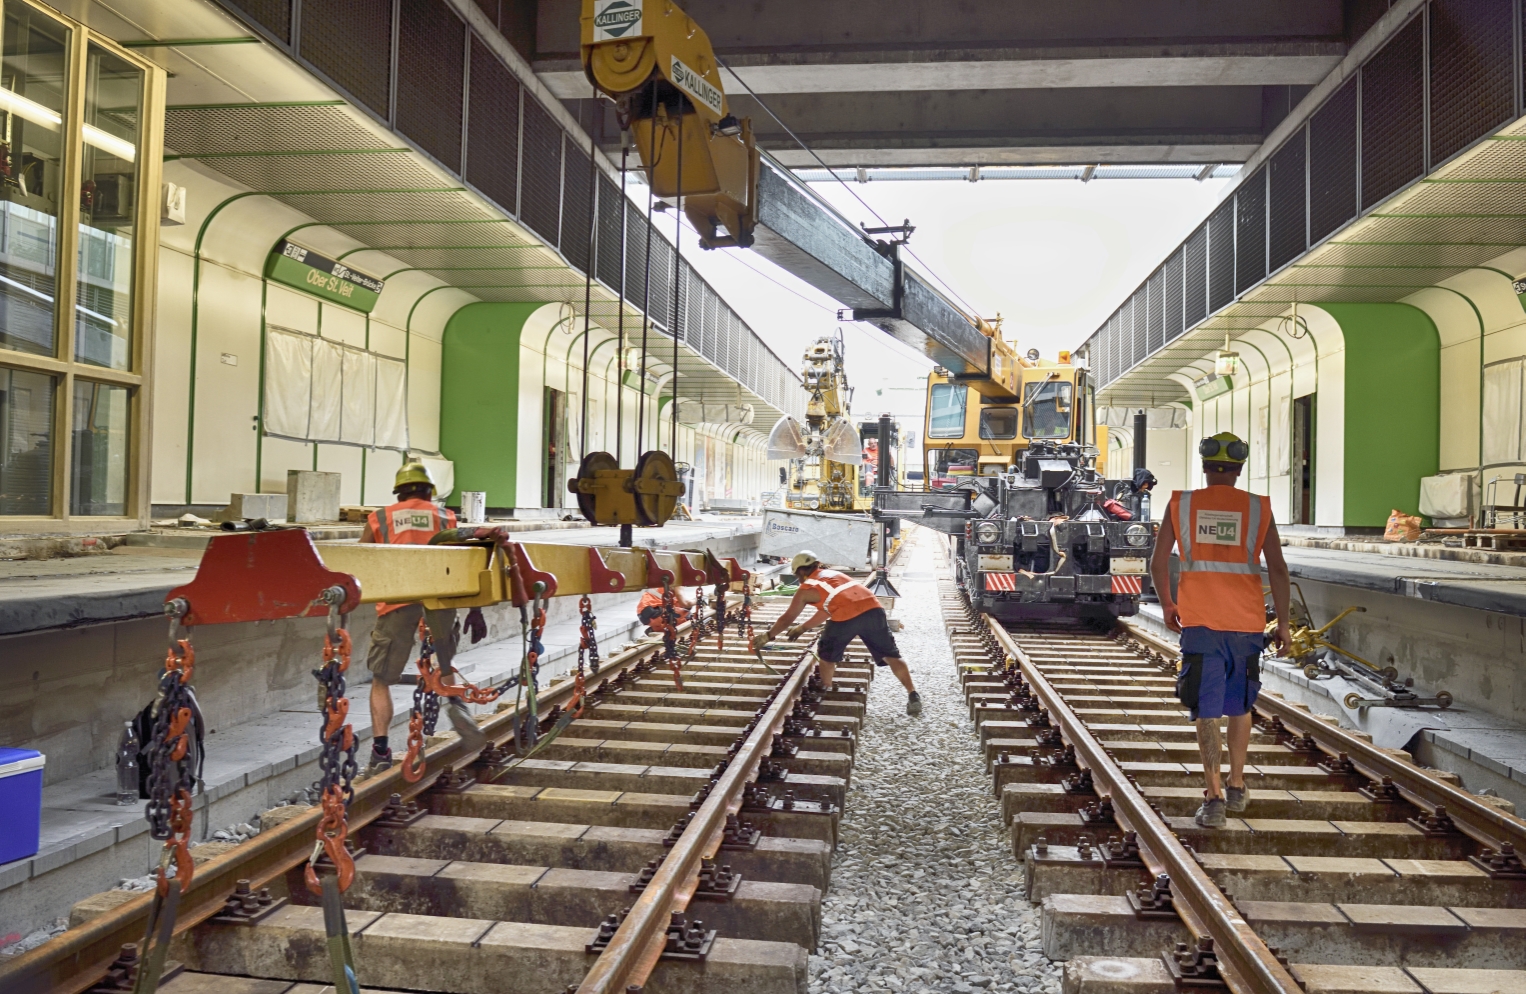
(381,761)
(464,724)
(1211,814)
(1235,799)
(914,704)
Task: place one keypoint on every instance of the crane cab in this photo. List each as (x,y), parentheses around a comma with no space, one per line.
(968,434)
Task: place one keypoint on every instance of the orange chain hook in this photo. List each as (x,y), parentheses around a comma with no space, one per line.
(177,849)
(413,761)
(332,832)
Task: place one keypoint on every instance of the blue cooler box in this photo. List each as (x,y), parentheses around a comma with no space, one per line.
(21,800)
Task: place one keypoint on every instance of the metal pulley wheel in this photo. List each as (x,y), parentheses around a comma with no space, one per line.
(592,463)
(656,486)
(1353,700)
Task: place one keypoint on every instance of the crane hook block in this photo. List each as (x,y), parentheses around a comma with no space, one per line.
(658,66)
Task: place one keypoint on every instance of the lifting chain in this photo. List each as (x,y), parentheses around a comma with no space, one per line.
(719,595)
(171,783)
(670,635)
(744,618)
(699,627)
(532,623)
(336,761)
(425,714)
(588,652)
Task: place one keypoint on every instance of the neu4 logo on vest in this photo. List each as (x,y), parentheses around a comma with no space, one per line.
(406,519)
(1217,527)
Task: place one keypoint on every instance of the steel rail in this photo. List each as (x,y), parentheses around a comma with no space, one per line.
(78,958)
(1247,965)
(635,948)
(1477,819)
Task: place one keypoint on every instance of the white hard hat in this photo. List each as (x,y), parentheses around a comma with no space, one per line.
(802,560)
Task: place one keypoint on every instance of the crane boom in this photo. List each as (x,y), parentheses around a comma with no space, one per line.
(658,66)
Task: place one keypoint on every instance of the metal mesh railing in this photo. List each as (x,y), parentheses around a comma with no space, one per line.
(1287,235)
(492,140)
(1393,108)
(431,75)
(1250,232)
(1195,281)
(1332,163)
(350,42)
(540,185)
(1472,72)
(1173,295)
(1221,256)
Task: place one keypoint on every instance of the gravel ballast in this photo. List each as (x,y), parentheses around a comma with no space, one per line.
(925,895)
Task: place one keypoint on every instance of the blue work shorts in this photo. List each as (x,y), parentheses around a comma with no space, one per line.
(1221,672)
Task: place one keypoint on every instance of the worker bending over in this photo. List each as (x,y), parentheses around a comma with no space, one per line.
(413,520)
(850,611)
(649,609)
(1222,534)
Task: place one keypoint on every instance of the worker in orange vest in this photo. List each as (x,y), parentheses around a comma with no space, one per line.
(649,609)
(850,610)
(414,520)
(1222,533)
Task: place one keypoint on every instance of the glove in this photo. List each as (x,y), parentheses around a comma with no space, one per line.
(794,632)
(759,641)
(476,625)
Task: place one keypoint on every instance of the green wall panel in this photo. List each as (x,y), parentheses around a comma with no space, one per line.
(479,398)
(1393,407)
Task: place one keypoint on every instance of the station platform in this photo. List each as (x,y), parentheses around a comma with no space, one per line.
(74,683)
(1406,570)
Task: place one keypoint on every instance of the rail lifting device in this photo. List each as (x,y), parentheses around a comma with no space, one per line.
(281,573)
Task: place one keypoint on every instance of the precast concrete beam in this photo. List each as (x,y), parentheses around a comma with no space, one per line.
(777,912)
(470,956)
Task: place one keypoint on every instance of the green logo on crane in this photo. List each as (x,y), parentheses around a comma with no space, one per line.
(617,18)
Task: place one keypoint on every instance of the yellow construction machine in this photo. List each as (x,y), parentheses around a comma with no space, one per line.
(825,452)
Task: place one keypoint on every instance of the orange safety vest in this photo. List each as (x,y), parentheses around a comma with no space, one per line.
(846,597)
(1219,534)
(651,600)
(408,522)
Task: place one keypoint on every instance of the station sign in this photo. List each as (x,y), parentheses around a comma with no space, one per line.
(306,270)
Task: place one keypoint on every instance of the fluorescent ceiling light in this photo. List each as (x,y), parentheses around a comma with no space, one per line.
(31,110)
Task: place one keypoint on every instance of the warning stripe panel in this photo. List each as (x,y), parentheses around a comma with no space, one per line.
(1001,581)
(1126,584)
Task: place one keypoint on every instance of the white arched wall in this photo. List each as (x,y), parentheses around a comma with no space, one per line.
(1480,321)
(1275,369)
(213,301)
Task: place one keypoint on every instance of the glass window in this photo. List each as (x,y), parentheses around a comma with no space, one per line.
(26,442)
(949,464)
(33,83)
(1048,407)
(945,416)
(107,202)
(998,422)
(98,473)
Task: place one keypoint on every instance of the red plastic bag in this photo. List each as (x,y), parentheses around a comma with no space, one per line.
(1402,527)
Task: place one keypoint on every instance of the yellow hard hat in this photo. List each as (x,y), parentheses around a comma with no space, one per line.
(1225,447)
(802,560)
(412,474)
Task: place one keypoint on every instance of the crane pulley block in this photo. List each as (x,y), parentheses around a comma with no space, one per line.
(608,495)
(658,65)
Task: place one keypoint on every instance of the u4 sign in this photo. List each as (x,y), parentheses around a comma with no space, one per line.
(614,19)
(697,86)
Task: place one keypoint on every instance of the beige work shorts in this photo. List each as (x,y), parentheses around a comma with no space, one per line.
(393,638)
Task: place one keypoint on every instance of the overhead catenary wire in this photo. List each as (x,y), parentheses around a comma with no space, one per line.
(620,309)
(593,215)
(833,173)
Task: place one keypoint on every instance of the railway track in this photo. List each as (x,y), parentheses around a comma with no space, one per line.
(671,840)
(1352,870)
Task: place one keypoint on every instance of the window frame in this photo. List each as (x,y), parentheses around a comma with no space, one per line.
(62,365)
(964,409)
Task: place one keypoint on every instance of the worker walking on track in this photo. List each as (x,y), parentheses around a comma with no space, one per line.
(1222,533)
(850,611)
(413,520)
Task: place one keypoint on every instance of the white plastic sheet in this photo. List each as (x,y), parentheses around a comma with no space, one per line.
(357,423)
(1502,413)
(288,383)
(391,403)
(327,415)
